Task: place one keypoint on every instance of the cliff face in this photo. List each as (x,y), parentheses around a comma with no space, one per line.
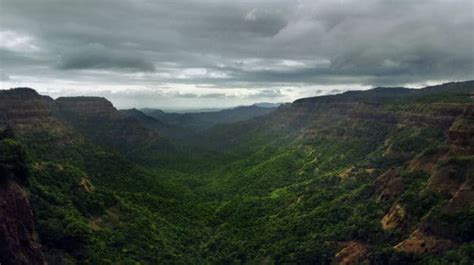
(98,120)
(19,243)
(87,107)
(317,116)
(26,110)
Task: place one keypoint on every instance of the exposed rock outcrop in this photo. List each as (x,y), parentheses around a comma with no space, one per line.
(19,243)
(87,107)
(26,110)
(420,243)
(394,218)
(99,121)
(353,253)
(86,185)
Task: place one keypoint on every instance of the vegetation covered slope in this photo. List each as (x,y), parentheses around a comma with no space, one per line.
(356,178)
(381,177)
(19,241)
(92,205)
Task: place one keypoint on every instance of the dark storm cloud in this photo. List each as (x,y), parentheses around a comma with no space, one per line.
(214,95)
(185,95)
(241,44)
(10,58)
(99,57)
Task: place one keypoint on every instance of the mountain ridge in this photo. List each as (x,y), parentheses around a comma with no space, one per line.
(201,121)
(374,177)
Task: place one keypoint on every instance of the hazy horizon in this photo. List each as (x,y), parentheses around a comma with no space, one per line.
(173,107)
(206,53)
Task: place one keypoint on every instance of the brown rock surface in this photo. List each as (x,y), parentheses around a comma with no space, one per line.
(463,199)
(353,253)
(389,185)
(420,243)
(461,133)
(25,109)
(394,218)
(18,240)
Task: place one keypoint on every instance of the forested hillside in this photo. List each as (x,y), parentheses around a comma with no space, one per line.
(200,121)
(383,176)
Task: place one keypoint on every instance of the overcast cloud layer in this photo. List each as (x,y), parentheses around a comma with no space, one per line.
(216,53)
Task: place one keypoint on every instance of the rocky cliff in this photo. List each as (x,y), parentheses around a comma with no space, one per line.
(26,110)
(96,118)
(19,243)
(101,122)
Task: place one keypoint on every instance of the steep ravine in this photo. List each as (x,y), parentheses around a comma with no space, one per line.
(353,178)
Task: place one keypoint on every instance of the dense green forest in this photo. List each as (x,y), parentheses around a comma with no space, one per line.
(383,176)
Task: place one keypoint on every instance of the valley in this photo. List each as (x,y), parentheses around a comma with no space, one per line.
(383,176)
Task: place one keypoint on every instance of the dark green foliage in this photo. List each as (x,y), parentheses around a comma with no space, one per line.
(458,226)
(416,200)
(13,164)
(291,187)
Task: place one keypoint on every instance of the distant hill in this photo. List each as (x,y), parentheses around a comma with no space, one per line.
(201,121)
(267,105)
(167,130)
(101,122)
(383,176)
(386,94)
(144,119)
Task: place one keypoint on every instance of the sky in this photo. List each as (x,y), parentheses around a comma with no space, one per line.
(185,54)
